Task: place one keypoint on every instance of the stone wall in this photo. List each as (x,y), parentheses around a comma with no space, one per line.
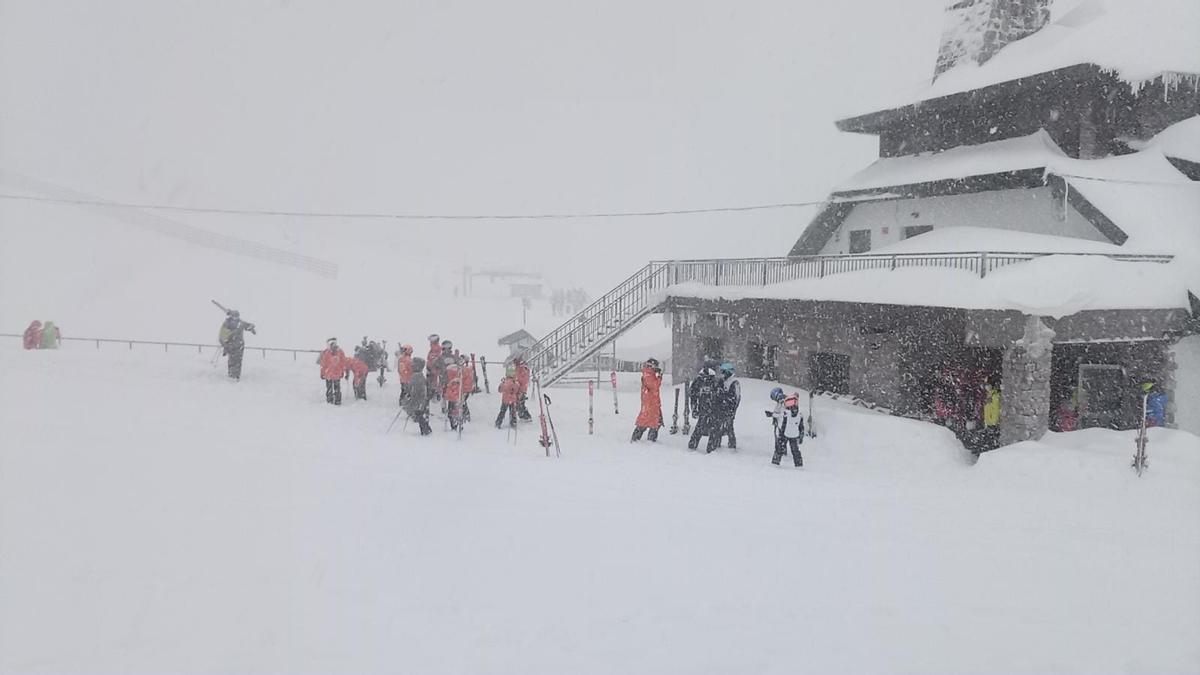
(975,30)
(1025,385)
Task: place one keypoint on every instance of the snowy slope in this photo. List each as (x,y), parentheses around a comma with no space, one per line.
(158,518)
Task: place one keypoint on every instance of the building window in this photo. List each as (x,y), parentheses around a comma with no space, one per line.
(828,371)
(860,241)
(913,230)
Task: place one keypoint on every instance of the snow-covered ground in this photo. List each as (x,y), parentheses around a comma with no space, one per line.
(157,517)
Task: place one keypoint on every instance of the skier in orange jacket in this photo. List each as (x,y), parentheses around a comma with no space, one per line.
(649,419)
(333,368)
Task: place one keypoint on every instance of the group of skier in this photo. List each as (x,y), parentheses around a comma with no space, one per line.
(713,399)
(41,336)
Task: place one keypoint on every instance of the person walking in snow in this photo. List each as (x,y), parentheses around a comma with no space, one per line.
(649,418)
(729,397)
(333,368)
(467,373)
(702,396)
(33,335)
(789,426)
(523,377)
(232,338)
(359,369)
(404,369)
(509,391)
(416,404)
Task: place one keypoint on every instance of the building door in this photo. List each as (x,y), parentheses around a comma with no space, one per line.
(1102,393)
(828,371)
(860,241)
(760,360)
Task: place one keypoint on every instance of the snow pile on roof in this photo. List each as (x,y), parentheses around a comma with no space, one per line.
(954,239)
(1055,286)
(1181,139)
(1035,151)
(1145,196)
(1136,41)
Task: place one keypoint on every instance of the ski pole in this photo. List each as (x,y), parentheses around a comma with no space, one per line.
(553,431)
(394,419)
(616,406)
(591,418)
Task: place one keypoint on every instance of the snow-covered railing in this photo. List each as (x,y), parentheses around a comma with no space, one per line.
(199,346)
(764,271)
(584,334)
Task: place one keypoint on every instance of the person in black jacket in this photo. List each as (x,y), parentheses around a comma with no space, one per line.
(416,402)
(728,398)
(703,399)
(233,340)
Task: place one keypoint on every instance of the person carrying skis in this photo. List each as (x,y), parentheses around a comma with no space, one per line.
(416,404)
(729,397)
(233,340)
(649,418)
(33,336)
(404,369)
(702,397)
(333,367)
(510,392)
(523,377)
(359,368)
(789,426)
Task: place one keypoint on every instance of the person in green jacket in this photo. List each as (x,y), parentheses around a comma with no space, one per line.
(51,336)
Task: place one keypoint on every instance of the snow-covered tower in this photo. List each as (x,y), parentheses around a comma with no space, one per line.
(976,30)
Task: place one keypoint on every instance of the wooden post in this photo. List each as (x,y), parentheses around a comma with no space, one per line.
(983,259)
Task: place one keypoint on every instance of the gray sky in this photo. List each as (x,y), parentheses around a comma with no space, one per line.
(459,107)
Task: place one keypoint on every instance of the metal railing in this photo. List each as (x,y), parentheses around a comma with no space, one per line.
(581,336)
(199,346)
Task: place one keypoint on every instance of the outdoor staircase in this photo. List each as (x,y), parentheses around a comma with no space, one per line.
(620,309)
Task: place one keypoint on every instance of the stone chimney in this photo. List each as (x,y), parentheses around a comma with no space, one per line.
(974,30)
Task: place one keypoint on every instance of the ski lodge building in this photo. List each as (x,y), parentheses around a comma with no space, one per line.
(1032,223)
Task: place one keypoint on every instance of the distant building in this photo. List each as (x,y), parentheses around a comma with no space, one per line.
(517,342)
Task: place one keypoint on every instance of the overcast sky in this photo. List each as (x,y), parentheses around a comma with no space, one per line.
(459,107)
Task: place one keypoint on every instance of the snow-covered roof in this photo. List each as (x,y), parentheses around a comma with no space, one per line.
(1136,40)
(1056,286)
(953,239)
(1181,139)
(1035,151)
(1141,193)
(1144,195)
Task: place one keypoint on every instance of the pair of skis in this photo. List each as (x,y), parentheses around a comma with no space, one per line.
(549,434)
(1139,455)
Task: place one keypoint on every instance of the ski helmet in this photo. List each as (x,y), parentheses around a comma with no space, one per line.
(727,368)
(234,313)
(446,344)
(652,362)
(792,401)
(434,337)
(777,394)
(406,349)
(332,341)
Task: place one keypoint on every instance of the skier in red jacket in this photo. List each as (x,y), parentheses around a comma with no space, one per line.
(33,336)
(649,419)
(360,369)
(333,368)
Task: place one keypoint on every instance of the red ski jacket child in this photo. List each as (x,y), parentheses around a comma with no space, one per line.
(454,389)
(359,368)
(509,390)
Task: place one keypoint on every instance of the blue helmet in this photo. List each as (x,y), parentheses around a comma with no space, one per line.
(727,368)
(777,394)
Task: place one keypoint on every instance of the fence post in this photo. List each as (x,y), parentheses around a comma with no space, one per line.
(264,353)
(821,269)
(97,344)
(166,347)
(764,276)
(983,258)
(130,346)
(893,262)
